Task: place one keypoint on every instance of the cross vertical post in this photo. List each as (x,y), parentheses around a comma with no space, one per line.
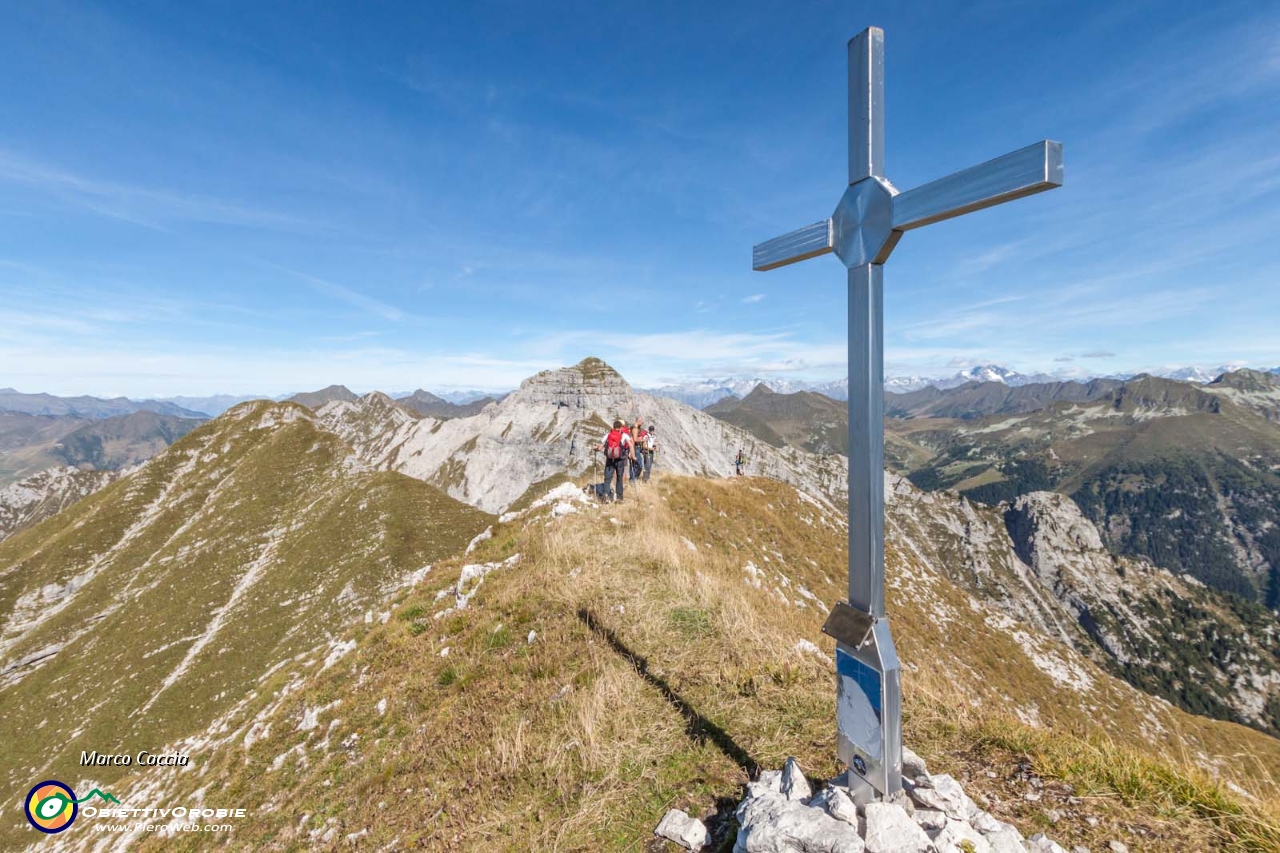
(866,438)
(866,337)
(866,226)
(866,105)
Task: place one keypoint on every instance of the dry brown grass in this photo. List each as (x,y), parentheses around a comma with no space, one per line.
(659,678)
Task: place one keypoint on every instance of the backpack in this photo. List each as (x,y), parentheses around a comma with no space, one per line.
(613,446)
(642,440)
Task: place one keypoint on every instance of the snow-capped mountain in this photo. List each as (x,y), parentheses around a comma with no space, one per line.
(701,393)
(1195,373)
(906,384)
(978,373)
(992,373)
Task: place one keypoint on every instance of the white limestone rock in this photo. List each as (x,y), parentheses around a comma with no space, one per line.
(930,820)
(772,824)
(770,782)
(689,832)
(944,794)
(913,768)
(984,822)
(794,785)
(902,798)
(891,830)
(1006,839)
(778,816)
(955,833)
(840,806)
(1039,843)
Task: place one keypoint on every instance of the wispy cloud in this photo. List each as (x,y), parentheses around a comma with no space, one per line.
(149,207)
(753,298)
(347,295)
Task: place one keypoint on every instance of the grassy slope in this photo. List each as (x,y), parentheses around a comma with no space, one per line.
(661,675)
(159,554)
(804,419)
(32,443)
(26,441)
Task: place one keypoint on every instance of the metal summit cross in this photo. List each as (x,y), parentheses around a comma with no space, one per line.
(866,226)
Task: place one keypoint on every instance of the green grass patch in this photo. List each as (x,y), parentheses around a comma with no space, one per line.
(690,622)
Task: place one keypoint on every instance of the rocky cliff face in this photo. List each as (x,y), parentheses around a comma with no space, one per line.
(42,495)
(1040,561)
(550,427)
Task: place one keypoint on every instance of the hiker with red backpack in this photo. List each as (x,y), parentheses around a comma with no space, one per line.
(619,450)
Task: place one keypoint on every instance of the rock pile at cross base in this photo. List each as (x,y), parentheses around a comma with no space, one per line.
(782,814)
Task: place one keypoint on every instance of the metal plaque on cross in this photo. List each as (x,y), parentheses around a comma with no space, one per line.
(864,229)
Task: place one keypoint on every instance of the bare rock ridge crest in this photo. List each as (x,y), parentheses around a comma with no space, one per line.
(549,428)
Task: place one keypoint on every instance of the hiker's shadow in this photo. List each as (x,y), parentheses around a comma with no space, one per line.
(698,727)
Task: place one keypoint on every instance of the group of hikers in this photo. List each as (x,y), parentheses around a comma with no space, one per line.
(628,450)
(628,456)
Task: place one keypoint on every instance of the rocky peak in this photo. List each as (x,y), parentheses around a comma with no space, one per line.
(421,396)
(1046,522)
(377,399)
(1061,546)
(1245,379)
(589,385)
(1152,393)
(315,399)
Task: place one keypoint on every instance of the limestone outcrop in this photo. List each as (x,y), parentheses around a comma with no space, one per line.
(933,816)
(550,427)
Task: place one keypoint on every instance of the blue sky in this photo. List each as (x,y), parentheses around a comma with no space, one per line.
(265,197)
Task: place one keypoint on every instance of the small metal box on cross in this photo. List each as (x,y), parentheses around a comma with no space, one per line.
(864,229)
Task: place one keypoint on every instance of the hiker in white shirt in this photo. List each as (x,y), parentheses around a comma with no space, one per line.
(647,448)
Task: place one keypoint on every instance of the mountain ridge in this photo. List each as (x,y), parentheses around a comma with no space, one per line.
(579,649)
(224,557)
(246,579)
(85,406)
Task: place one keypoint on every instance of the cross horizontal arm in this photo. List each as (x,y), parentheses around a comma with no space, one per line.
(1022,173)
(800,245)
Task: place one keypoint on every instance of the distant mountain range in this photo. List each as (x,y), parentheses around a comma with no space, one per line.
(698,393)
(1185,475)
(87,407)
(701,393)
(432,406)
(33,443)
